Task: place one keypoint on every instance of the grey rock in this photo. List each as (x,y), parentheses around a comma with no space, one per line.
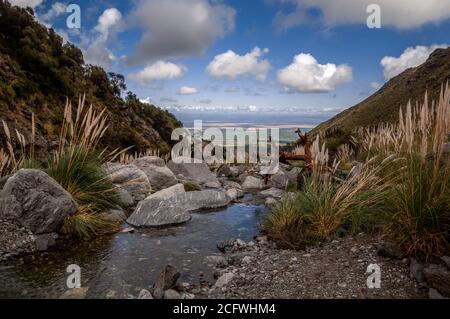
(158,293)
(252,183)
(129,178)
(233,194)
(125,197)
(216,260)
(175,210)
(272,192)
(196,172)
(15,240)
(168,192)
(438,277)
(159,177)
(45,241)
(416,270)
(230,184)
(280,180)
(224,280)
(149,161)
(145,294)
(213,185)
(228,171)
(117,215)
(171,295)
(187,296)
(34,200)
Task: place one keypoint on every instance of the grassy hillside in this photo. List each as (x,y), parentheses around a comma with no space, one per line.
(38,71)
(384,105)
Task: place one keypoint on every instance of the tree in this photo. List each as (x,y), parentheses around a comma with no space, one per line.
(117,82)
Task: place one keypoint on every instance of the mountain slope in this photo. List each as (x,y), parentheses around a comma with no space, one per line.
(38,71)
(384,105)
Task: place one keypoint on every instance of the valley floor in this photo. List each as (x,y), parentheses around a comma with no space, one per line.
(335,270)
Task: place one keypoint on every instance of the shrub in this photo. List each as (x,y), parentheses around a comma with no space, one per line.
(325,208)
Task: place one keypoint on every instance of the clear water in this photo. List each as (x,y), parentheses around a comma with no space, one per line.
(127,263)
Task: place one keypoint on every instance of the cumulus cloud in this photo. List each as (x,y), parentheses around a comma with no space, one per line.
(187,90)
(97,52)
(177,28)
(305,74)
(410,58)
(160,70)
(231,65)
(26,3)
(401,14)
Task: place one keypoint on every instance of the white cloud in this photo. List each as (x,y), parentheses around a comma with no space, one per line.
(401,14)
(26,3)
(187,90)
(160,70)
(57,9)
(176,28)
(231,65)
(97,52)
(410,58)
(305,74)
(375,85)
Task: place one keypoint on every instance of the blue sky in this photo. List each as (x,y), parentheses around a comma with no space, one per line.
(174,52)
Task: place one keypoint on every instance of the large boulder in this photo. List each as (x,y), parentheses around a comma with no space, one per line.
(159,177)
(149,161)
(34,200)
(198,172)
(129,178)
(168,192)
(155,212)
(253,183)
(272,192)
(280,180)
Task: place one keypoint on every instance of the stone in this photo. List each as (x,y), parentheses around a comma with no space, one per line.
(129,178)
(159,177)
(125,197)
(167,279)
(434,294)
(228,171)
(438,277)
(76,293)
(270,201)
(45,241)
(187,296)
(280,180)
(252,183)
(168,192)
(389,250)
(171,294)
(158,293)
(117,215)
(34,200)
(233,194)
(149,161)
(145,294)
(213,185)
(198,172)
(216,260)
(272,192)
(416,270)
(247,260)
(230,184)
(224,280)
(175,210)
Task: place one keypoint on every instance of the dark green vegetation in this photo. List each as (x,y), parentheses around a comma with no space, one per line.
(38,71)
(383,106)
